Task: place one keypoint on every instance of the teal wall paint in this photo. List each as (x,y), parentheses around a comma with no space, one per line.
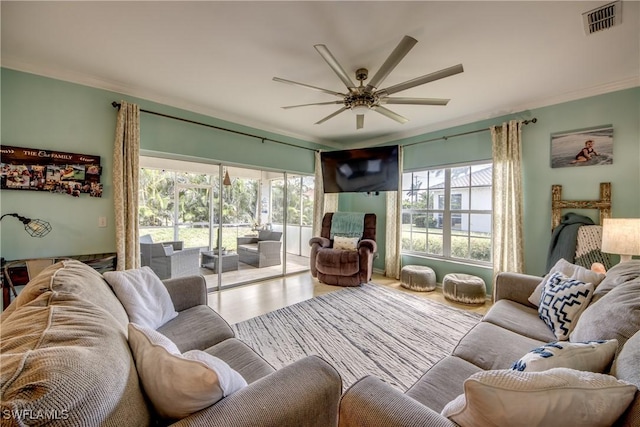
(45,113)
(620,109)
(39,112)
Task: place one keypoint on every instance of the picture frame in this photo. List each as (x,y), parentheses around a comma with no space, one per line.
(34,169)
(585,147)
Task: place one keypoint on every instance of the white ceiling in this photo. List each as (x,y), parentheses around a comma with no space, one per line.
(219,58)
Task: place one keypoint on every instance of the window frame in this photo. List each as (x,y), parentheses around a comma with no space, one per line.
(436,209)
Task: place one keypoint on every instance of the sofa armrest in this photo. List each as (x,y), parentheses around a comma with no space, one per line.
(187,292)
(369,244)
(305,393)
(515,287)
(372,403)
(323,242)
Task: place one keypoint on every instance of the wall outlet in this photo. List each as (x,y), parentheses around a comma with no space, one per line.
(102,221)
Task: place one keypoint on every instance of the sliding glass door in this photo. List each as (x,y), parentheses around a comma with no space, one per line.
(236,216)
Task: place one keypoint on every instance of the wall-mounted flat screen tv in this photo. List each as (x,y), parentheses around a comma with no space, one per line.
(360,170)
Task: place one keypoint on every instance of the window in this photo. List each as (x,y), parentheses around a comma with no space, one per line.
(447,213)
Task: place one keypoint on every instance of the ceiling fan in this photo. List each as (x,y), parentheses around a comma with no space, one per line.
(361,99)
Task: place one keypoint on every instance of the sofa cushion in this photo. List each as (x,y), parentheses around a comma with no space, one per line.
(143,296)
(241,358)
(63,355)
(592,356)
(248,247)
(338,262)
(557,397)
(570,270)
(519,318)
(77,278)
(620,307)
(563,301)
(179,384)
(491,347)
(618,274)
(442,383)
(196,328)
(627,368)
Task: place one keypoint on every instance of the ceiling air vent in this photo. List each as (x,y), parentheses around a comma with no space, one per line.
(602,17)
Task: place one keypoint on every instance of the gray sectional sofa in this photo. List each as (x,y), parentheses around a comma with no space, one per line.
(65,360)
(509,330)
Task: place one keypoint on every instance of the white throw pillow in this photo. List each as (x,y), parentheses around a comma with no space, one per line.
(143,296)
(592,356)
(558,397)
(570,270)
(563,301)
(345,243)
(178,385)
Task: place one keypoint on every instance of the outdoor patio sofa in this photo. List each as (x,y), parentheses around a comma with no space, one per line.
(261,251)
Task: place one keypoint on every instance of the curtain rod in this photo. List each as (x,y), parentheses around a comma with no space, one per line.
(446,137)
(262,138)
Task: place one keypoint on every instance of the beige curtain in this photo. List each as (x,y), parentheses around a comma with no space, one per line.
(508,248)
(323,202)
(393,233)
(125,185)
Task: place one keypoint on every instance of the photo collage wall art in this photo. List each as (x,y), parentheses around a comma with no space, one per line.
(55,171)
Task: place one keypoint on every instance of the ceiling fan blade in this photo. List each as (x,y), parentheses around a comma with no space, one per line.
(415,101)
(335,65)
(291,82)
(392,61)
(331,115)
(395,116)
(421,80)
(359,121)
(315,103)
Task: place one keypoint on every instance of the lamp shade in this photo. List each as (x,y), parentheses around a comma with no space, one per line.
(621,236)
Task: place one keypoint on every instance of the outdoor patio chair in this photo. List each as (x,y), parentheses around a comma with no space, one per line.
(169,259)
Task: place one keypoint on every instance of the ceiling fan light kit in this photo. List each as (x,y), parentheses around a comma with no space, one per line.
(361,99)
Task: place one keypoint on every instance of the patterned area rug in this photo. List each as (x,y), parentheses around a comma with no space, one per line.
(364,330)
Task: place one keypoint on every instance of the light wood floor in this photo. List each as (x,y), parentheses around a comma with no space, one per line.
(247,301)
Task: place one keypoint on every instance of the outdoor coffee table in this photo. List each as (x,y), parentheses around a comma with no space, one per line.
(211,260)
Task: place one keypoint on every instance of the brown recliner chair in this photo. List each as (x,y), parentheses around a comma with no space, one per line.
(343,267)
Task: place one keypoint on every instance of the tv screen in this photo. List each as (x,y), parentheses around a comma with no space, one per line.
(361,170)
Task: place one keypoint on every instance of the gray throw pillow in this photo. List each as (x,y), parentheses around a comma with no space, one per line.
(614,316)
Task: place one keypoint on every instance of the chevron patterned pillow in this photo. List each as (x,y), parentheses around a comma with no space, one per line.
(563,300)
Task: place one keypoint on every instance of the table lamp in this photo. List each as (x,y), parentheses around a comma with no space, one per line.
(621,236)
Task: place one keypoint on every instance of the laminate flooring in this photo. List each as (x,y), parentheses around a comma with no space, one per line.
(251,300)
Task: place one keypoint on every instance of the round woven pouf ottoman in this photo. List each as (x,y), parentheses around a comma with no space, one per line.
(418,278)
(464,288)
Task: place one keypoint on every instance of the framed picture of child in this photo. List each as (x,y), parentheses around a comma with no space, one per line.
(587,147)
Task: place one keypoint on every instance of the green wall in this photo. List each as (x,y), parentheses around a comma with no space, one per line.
(39,112)
(50,114)
(620,109)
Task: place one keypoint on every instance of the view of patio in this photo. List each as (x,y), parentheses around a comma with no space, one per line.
(256,225)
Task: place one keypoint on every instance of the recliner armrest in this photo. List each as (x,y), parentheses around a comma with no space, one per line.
(371,402)
(304,393)
(369,244)
(323,242)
